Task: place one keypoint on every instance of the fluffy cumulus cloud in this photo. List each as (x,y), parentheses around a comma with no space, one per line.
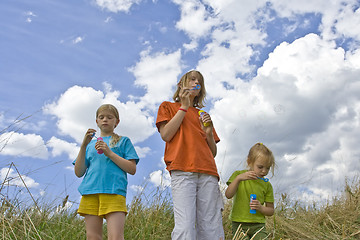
(10,177)
(117,5)
(60,147)
(23,145)
(157,74)
(142,151)
(302,101)
(304,104)
(73,119)
(75,112)
(195,20)
(160,178)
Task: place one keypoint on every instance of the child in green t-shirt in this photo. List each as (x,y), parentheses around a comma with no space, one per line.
(246,182)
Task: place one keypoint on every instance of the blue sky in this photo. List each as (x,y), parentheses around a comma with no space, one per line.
(283,73)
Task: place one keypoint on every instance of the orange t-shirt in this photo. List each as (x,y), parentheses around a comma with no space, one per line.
(188,150)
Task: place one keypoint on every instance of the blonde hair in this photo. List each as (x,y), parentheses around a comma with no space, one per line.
(114,137)
(260,150)
(199,100)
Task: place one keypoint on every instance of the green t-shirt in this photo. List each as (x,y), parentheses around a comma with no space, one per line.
(240,211)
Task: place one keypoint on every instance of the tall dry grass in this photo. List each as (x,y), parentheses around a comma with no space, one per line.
(150,217)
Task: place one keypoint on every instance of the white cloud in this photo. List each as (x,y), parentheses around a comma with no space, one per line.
(108,19)
(78,40)
(62,208)
(76,108)
(29,16)
(304,105)
(117,5)
(136,188)
(191,46)
(195,20)
(160,178)
(338,18)
(142,152)
(75,111)
(60,146)
(347,22)
(23,145)
(158,74)
(10,177)
(42,192)
(70,168)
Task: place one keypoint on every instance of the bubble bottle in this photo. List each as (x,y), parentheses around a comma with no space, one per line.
(98,139)
(201,114)
(252,197)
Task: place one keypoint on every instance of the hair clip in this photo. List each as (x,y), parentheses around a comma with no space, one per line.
(264,179)
(197,87)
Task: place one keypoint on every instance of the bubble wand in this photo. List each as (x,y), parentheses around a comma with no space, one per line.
(197,87)
(264,179)
(98,139)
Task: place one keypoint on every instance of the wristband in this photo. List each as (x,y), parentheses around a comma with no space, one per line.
(183,109)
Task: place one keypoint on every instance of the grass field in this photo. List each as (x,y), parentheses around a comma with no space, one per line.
(150,217)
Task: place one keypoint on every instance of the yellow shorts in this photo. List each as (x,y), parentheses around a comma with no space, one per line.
(102,204)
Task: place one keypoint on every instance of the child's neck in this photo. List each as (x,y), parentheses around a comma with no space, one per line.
(105,134)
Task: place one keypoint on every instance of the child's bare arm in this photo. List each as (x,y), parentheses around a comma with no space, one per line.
(128,166)
(80,167)
(232,188)
(267,210)
(211,142)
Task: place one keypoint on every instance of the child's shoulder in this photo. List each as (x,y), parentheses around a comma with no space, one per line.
(168,103)
(169,106)
(237,172)
(123,139)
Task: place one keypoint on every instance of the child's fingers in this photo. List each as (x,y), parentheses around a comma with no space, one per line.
(254,204)
(90,132)
(251,175)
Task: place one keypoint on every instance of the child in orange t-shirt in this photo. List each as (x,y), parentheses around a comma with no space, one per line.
(189,156)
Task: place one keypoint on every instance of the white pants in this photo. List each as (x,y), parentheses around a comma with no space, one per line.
(198,204)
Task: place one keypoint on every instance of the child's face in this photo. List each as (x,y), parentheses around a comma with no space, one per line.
(261,166)
(193,79)
(106,121)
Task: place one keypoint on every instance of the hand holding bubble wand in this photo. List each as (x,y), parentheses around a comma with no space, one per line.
(98,139)
(201,114)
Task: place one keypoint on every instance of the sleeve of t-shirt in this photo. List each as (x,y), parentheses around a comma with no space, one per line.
(163,114)
(233,176)
(216,137)
(130,152)
(86,159)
